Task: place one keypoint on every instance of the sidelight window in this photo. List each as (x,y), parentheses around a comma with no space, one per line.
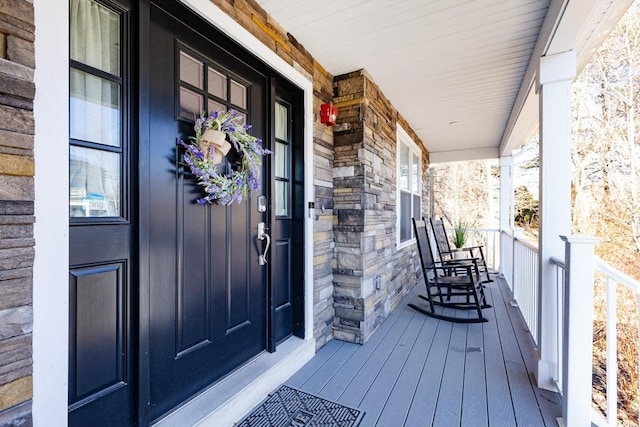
(282,160)
(96,110)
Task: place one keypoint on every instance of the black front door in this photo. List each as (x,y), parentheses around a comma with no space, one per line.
(208,294)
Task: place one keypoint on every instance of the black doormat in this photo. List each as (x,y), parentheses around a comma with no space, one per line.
(290,407)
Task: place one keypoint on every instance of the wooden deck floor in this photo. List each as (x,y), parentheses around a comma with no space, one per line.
(418,371)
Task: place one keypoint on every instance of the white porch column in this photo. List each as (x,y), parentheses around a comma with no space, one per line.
(554,77)
(506,210)
(577,337)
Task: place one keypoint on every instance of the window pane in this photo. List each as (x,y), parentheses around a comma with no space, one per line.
(282,198)
(417,207)
(94,109)
(405,216)
(94,183)
(217,84)
(282,160)
(191,70)
(403,164)
(281,122)
(215,106)
(95,36)
(243,119)
(415,174)
(238,95)
(190,104)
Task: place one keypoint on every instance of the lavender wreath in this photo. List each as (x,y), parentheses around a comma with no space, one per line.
(203,156)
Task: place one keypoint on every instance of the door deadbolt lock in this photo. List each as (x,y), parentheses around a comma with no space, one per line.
(262,204)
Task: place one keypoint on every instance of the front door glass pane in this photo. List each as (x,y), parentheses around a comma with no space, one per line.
(94,183)
(281,122)
(238,95)
(94,108)
(95,36)
(191,70)
(282,198)
(190,104)
(217,84)
(215,106)
(282,160)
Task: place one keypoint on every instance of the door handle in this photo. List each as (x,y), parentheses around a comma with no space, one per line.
(262,235)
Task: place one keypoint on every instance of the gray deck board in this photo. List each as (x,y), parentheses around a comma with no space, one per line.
(450,396)
(500,408)
(354,372)
(419,371)
(525,404)
(397,406)
(327,353)
(474,403)
(373,402)
(550,403)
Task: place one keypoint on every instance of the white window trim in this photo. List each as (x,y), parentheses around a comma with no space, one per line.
(402,137)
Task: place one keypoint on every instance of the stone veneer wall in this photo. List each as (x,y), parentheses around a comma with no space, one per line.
(364,181)
(253,18)
(17,90)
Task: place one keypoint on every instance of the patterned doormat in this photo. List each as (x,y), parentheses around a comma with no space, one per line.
(290,407)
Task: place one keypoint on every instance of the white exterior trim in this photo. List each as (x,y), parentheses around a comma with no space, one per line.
(402,137)
(51,230)
(463,155)
(50,276)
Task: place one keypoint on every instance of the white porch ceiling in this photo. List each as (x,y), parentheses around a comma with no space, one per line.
(445,61)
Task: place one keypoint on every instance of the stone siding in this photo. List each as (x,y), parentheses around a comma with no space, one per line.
(364,179)
(253,18)
(17,91)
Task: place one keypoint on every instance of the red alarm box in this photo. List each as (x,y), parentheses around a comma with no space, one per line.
(328,114)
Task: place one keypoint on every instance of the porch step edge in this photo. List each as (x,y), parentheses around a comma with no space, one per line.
(225,402)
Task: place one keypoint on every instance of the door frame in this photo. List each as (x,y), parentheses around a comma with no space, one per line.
(50,272)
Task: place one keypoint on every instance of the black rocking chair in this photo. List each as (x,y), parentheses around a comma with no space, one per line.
(460,291)
(445,253)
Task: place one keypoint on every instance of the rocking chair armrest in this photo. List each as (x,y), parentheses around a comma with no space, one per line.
(474,247)
(435,268)
(460,262)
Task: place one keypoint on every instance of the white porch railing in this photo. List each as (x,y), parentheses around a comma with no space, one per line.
(574,280)
(525,283)
(520,270)
(575,317)
(611,278)
(489,238)
(607,282)
(506,257)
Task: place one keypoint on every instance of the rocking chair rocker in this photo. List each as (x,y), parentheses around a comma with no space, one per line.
(461,291)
